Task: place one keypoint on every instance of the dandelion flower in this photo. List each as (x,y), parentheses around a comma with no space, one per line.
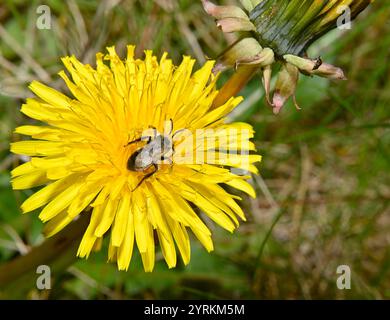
(92,154)
(278,31)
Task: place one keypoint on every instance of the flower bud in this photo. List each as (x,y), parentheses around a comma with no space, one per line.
(240,50)
(285,29)
(235,24)
(285,87)
(222,12)
(265,58)
(315,67)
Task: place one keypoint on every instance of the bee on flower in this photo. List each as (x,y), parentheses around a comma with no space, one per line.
(139,145)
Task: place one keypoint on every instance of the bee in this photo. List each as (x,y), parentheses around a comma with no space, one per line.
(158,149)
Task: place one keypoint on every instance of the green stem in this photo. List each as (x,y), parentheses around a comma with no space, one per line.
(18,276)
(257,263)
(235,83)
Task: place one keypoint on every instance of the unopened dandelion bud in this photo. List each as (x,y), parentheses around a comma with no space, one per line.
(242,49)
(267,75)
(329,71)
(229,25)
(303,64)
(287,28)
(315,67)
(249,5)
(222,12)
(266,57)
(285,86)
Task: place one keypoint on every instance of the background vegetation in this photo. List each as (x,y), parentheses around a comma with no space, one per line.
(323,193)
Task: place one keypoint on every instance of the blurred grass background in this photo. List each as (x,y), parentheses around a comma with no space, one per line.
(324,191)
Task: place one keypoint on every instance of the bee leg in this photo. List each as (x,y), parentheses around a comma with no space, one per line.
(171,121)
(154,131)
(147,176)
(143,138)
(134,141)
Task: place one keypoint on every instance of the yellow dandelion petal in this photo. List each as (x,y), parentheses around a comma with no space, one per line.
(89,238)
(132,146)
(61,201)
(120,223)
(29,180)
(125,251)
(57,223)
(37,148)
(168,248)
(50,95)
(242,185)
(107,218)
(43,196)
(182,240)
